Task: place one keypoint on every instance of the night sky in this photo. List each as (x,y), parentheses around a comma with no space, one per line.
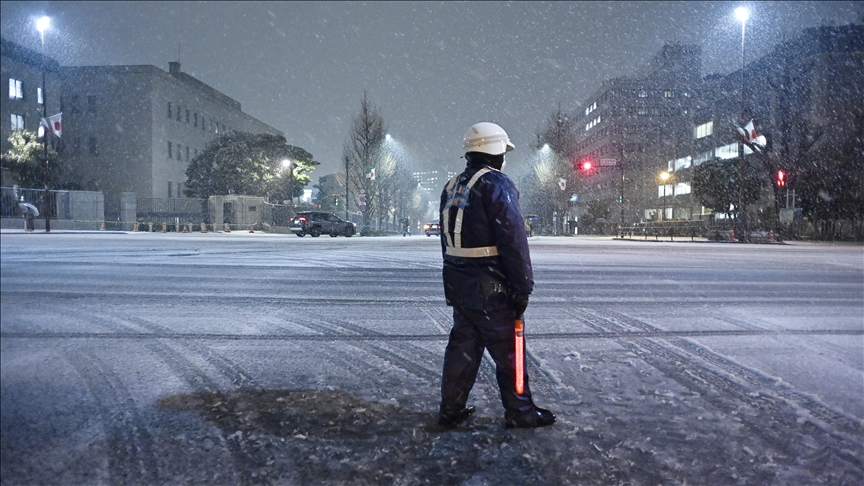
(433,69)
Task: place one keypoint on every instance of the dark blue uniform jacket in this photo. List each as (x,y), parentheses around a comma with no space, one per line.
(491,217)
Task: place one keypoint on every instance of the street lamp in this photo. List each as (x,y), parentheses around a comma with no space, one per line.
(664,176)
(42,25)
(742,14)
(287,165)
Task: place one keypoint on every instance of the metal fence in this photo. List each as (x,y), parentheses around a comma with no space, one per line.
(164,210)
(11,196)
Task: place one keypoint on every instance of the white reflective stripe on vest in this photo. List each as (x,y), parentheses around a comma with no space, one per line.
(454,247)
(483,251)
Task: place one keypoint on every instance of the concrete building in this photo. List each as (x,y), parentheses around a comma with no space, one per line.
(21,108)
(433,181)
(804,96)
(628,123)
(136,128)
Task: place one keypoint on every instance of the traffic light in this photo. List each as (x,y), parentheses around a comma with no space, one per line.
(781,178)
(586,166)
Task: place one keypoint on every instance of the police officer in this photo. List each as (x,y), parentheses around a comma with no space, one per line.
(487,279)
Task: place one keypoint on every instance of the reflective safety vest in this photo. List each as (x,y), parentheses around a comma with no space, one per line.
(457,195)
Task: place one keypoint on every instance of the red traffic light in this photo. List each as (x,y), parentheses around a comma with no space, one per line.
(585,166)
(781,178)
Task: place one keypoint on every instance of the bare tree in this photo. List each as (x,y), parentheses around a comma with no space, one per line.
(555,166)
(363,151)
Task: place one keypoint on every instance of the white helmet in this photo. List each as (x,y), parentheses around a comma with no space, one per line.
(488,138)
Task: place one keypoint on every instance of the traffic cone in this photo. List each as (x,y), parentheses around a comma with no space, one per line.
(203,227)
(252,229)
(771,237)
(164,228)
(227,228)
(104,227)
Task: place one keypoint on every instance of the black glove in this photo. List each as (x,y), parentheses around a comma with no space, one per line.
(519,302)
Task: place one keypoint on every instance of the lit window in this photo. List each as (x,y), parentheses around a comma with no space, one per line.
(17,122)
(642,111)
(642,93)
(682,188)
(702,158)
(590,108)
(727,151)
(682,163)
(668,94)
(39,98)
(703,130)
(592,123)
(16,89)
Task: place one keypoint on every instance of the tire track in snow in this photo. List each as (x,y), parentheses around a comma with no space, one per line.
(131,452)
(774,419)
(843,422)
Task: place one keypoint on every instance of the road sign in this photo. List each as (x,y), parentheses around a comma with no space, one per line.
(607,162)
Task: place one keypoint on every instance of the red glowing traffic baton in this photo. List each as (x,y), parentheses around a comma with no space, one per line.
(520,356)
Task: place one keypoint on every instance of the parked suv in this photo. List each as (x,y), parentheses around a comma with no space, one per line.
(316,223)
(432,229)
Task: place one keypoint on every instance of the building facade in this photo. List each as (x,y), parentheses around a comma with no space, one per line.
(125,128)
(627,124)
(136,128)
(22,105)
(804,97)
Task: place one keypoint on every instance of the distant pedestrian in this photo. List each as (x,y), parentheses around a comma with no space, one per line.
(406,226)
(487,280)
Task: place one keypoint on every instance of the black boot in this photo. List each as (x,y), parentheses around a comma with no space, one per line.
(539,418)
(452,420)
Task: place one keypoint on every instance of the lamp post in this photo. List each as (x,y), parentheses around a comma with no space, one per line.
(41,25)
(664,176)
(346,188)
(742,14)
(287,165)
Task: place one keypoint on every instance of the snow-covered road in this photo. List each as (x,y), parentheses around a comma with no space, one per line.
(259,358)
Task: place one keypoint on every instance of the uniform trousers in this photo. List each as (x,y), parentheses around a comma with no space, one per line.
(472,333)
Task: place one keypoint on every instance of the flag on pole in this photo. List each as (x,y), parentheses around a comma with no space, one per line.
(370,174)
(54,123)
(751,138)
(748,132)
